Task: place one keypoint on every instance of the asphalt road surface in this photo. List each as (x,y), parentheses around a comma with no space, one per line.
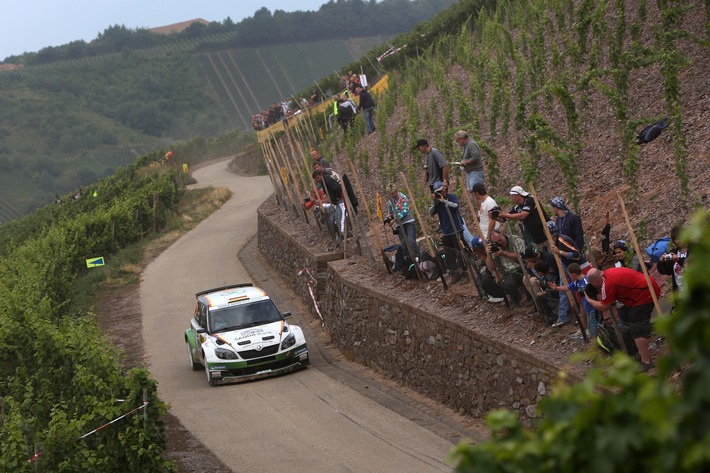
(322,419)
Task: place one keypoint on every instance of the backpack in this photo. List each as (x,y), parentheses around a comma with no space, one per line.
(652,131)
(658,248)
(609,343)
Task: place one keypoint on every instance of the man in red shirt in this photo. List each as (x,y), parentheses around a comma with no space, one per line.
(630,288)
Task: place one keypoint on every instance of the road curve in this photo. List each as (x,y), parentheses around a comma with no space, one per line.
(302,422)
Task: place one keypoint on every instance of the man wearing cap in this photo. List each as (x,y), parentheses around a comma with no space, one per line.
(471,160)
(526,213)
(450,232)
(435,166)
(631,289)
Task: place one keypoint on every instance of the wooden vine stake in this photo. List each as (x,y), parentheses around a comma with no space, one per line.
(659,311)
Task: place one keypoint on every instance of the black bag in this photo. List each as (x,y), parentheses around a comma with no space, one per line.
(609,343)
(651,132)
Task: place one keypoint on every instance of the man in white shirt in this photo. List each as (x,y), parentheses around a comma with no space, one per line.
(485,205)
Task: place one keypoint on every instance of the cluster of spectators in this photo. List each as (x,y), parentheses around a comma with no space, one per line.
(283,110)
(512,260)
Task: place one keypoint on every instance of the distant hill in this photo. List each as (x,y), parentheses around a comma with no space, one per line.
(75,113)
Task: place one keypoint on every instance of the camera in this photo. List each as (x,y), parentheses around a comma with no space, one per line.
(438,194)
(387,220)
(495,211)
(395,231)
(667,257)
(495,247)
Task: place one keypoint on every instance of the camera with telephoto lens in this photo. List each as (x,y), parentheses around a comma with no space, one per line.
(495,247)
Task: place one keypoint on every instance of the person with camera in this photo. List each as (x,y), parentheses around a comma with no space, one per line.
(450,231)
(526,213)
(336,204)
(630,288)
(436,168)
(505,249)
(486,206)
(401,220)
(672,263)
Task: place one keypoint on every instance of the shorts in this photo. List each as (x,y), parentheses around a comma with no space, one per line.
(638,319)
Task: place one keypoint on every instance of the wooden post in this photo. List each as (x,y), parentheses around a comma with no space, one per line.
(638,252)
(563,278)
(426,234)
(277,190)
(292,175)
(283,178)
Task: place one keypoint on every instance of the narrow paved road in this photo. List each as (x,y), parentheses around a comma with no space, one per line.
(308,421)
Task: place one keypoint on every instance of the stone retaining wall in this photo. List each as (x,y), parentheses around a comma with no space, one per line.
(438,358)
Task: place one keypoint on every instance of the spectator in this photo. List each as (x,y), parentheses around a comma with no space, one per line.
(400,218)
(450,231)
(367,105)
(568,223)
(546,299)
(334,191)
(578,284)
(625,256)
(493,291)
(485,205)
(526,213)
(505,249)
(346,113)
(318,166)
(317,157)
(471,161)
(672,263)
(630,288)
(436,169)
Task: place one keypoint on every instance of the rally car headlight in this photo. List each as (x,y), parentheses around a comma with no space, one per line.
(288,342)
(224,354)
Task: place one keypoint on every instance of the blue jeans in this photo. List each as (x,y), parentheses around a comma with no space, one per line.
(472,178)
(369,113)
(410,231)
(563,308)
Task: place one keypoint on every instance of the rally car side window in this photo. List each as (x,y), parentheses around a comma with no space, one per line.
(202,315)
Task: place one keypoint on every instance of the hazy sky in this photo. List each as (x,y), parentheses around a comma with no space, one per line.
(30,25)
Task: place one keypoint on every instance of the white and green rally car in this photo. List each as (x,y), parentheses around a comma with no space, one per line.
(238,334)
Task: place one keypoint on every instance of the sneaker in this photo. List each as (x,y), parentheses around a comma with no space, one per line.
(495,300)
(578,335)
(647,366)
(559,323)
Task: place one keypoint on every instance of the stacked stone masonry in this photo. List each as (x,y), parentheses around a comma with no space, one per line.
(449,363)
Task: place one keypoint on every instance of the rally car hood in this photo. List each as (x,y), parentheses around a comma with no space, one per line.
(243,339)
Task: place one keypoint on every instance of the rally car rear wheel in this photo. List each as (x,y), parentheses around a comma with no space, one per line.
(191,359)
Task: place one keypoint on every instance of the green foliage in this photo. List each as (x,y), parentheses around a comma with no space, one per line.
(59,379)
(618,419)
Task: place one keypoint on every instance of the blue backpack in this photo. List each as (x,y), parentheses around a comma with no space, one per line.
(657,248)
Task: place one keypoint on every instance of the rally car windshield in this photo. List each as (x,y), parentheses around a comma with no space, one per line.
(243,316)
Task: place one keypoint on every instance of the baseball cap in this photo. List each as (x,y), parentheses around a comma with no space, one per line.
(437,186)
(519,190)
(476,243)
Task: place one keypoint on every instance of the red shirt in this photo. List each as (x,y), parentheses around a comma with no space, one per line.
(627,286)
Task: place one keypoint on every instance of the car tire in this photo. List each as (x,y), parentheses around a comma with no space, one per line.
(191,359)
(210,379)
